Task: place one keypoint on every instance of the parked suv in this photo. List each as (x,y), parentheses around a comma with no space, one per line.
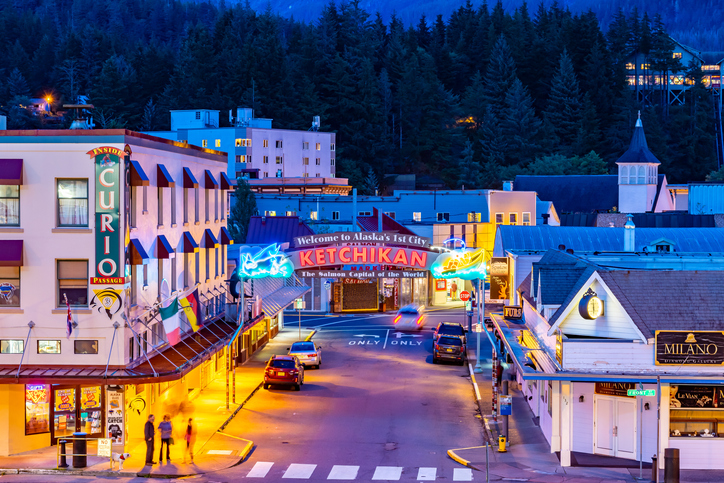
(448,348)
(452,329)
(284,371)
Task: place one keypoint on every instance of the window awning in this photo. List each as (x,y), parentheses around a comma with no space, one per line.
(210,240)
(188,244)
(209,181)
(163,247)
(163,177)
(138,175)
(225,181)
(11,253)
(11,171)
(225,236)
(137,252)
(189,179)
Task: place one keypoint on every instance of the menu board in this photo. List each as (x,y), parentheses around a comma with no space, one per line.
(37,408)
(65,400)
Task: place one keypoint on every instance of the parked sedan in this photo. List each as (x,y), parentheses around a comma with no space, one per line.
(410,317)
(308,353)
(448,348)
(284,371)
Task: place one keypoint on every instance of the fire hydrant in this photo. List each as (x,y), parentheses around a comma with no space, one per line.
(501,444)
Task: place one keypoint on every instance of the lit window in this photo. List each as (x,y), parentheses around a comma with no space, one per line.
(9,205)
(305,145)
(335,215)
(247,143)
(72,282)
(319,161)
(218,143)
(279,160)
(474,217)
(204,143)
(499,218)
(630,66)
(237,143)
(48,347)
(266,159)
(443,217)
(279,144)
(85,346)
(290,213)
(73,202)
(676,55)
(305,175)
(265,143)
(319,146)
(11,346)
(417,216)
(513,218)
(645,66)
(270,213)
(313,215)
(331,147)
(526,219)
(305,161)
(10,283)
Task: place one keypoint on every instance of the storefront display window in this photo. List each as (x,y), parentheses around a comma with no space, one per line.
(90,410)
(696,411)
(64,412)
(37,409)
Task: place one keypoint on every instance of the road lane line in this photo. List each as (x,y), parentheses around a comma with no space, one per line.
(386,336)
(351,320)
(260,470)
(475,383)
(462,474)
(427,474)
(300,472)
(390,473)
(341,472)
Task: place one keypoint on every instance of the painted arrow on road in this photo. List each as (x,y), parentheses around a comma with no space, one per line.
(367,335)
(402,334)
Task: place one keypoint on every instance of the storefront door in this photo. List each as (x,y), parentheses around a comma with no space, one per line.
(615,427)
(76,409)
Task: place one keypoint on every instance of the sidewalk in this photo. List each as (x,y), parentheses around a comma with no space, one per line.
(529,457)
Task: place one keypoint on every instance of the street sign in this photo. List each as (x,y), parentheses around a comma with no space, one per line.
(506,405)
(104,447)
(299,304)
(641,392)
(469,306)
(464,295)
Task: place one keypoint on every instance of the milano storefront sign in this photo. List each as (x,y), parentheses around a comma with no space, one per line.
(107,201)
(703,348)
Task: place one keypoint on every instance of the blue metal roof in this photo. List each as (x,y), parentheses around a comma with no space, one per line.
(590,239)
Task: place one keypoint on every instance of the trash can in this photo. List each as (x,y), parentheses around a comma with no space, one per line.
(671,465)
(80,450)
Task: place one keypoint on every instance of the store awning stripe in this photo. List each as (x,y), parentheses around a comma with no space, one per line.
(163,177)
(11,171)
(11,253)
(225,181)
(138,175)
(189,179)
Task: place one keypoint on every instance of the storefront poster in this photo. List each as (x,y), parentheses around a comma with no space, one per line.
(703,348)
(691,397)
(618,389)
(440,285)
(114,415)
(37,408)
(65,400)
(90,397)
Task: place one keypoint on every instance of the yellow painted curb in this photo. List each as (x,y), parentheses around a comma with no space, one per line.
(247,448)
(451,453)
(311,334)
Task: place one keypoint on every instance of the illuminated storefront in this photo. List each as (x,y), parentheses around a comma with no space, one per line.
(37,409)
(76,409)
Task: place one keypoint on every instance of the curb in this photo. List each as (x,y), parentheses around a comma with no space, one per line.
(451,453)
(247,448)
(233,415)
(311,334)
(74,472)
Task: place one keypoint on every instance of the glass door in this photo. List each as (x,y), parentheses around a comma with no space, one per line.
(64,412)
(91,414)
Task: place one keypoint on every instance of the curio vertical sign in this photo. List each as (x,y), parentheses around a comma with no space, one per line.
(107,201)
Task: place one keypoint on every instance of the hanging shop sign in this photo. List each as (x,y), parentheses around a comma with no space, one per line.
(590,307)
(678,347)
(397,274)
(384,237)
(464,263)
(108,300)
(512,312)
(114,415)
(107,202)
(619,389)
(499,279)
(267,262)
(332,255)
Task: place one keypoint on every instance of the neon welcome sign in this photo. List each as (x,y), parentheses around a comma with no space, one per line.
(463,263)
(268,262)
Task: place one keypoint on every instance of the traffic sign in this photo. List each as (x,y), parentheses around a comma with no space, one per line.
(300,304)
(469,306)
(464,295)
(641,392)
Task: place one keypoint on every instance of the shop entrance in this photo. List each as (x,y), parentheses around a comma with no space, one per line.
(76,409)
(615,426)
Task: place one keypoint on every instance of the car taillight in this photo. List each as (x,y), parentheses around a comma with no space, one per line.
(312,355)
(293,373)
(419,320)
(397,319)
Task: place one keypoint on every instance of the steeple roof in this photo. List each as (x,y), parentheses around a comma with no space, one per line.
(638,151)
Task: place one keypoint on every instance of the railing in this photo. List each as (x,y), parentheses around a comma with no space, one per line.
(293,281)
(60,459)
(215,302)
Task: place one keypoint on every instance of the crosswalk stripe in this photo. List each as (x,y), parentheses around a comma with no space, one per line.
(462,474)
(387,473)
(302,472)
(341,472)
(427,474)
(260,469)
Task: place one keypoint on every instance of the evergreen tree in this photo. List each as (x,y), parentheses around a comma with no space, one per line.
(564,105)
(499,76)
(242,210)
(17,85)
(370,185)
(468,167)
(520,125)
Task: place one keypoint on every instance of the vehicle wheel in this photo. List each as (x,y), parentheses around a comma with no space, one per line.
(266,386)
(434,361)
(298,387)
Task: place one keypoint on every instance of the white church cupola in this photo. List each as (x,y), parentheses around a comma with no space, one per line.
(638,175)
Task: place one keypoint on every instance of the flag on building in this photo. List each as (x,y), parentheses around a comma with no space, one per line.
(170,318)
(69,319)
(192,309)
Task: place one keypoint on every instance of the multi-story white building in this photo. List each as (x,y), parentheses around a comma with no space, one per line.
(254,148)
(113,221)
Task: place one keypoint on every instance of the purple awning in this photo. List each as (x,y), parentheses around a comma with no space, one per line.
(11,253)
(11,171)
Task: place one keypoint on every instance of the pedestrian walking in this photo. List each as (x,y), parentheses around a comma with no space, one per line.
(166,429)
(190,437)
(148,433)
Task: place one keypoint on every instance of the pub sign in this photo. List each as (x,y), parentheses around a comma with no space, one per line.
(107,162)
(700,348)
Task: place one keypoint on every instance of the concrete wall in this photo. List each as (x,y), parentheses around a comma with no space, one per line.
(12,422)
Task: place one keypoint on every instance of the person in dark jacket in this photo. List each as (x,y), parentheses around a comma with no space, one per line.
(148,434)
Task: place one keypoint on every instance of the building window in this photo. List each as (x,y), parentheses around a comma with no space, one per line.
(665,248)
(145,276)
(313,215)
(316,175)
(186,270)
(204,143)
(131,345)
(331,162)
(198,267)
(305,175)
(630,66)
(237,142)
(319,146)
(134,285)
(305,161)
(248,158)
(513,218)
(290,213)
(331,147)
(196,207)
(645,66)
(642,175)
(624,175)
(365,213)
(217,143)
(208,264)
(72,202)
(676,55)
(216,205)
(335,215)
(266,159)
(206,205)
(266,174)
(173,206)
(9,286)
(279,144)
(279,160)
(198,114)
(173,274)
(474,217)
(526,219)
(238,158)
(10,205)
(265,143)
(48,347)
(391,214)
(186,205)
(270,213)
(85,346)
(305,145)
(318,161)
(12,346)
(72,282)
(443,217)
(160,206)
(223,259)
(145,200)
(417,216)
(159,279)
(499,218)
(37,408)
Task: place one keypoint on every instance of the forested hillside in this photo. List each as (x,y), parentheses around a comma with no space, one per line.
(472,100)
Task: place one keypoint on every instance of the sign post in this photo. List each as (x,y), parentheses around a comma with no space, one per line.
(299,305)
(481,318)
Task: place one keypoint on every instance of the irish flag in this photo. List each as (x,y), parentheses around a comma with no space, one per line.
(170,318)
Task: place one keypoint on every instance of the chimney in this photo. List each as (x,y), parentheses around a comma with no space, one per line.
(507,186)
(562,248)
(569,251)
(629,235)
(545,217)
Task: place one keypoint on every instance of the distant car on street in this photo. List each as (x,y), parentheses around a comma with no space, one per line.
(448,348)
(453,329)
(410,317)
(284,371)
(308,353)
